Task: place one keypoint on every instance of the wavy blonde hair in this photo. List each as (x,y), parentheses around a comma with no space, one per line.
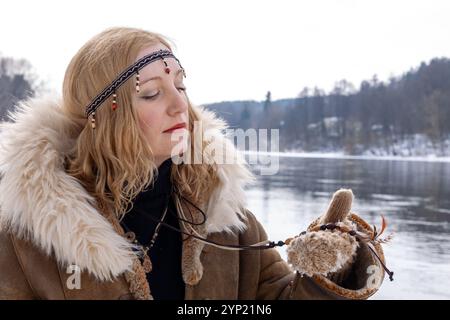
(114,162)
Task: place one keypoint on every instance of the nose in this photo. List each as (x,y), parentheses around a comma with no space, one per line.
(178,102)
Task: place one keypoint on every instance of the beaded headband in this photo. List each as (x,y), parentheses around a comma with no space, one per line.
(124,76)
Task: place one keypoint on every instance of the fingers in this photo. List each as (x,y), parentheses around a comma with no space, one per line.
(339,207)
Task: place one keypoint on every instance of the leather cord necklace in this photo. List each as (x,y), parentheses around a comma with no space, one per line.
(147,265)
(131,236)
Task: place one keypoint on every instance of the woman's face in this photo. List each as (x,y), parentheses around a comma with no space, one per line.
(161,104)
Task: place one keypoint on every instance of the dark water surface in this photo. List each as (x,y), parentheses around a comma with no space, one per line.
(413,196)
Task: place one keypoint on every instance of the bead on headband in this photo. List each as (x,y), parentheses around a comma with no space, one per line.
(111,89)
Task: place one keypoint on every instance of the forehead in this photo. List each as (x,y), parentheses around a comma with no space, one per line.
(150,49)
(155,68)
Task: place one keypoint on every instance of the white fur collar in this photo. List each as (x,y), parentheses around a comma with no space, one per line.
(40,201)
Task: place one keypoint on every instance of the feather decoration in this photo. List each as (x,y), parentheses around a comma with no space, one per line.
(374,238)
(376,235)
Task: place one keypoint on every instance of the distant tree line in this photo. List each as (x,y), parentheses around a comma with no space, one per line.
(377,114)
(17,82)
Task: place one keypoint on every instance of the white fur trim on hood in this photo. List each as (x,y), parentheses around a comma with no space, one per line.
(41,202)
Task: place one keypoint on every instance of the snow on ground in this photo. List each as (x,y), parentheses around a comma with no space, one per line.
(341,155)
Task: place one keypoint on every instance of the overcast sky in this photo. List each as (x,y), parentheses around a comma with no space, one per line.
(240,49)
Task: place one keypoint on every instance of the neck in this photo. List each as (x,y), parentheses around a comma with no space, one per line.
(160,160)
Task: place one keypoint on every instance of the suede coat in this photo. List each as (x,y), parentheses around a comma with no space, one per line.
(58,242)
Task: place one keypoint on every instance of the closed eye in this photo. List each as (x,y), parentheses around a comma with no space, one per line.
(155,95)
(150,97)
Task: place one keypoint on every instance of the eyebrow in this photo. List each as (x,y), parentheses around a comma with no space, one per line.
(158,77)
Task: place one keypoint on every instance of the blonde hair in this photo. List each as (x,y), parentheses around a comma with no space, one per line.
(114,162)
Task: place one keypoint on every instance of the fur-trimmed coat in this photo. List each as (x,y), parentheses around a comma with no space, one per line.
(49,224)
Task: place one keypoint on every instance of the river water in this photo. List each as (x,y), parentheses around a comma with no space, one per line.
(414,197)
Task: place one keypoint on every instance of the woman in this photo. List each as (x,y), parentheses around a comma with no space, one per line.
(100,197)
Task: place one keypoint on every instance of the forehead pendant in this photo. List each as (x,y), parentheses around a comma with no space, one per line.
(166,67)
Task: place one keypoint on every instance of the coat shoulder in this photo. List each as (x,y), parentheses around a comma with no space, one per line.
(29,273)
(13,282)
(255,231)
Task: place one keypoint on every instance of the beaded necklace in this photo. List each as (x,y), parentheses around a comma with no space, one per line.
(145,258)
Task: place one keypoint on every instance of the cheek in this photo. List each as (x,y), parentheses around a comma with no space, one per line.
(149,121)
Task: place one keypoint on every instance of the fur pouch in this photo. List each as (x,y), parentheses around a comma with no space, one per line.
(326,252)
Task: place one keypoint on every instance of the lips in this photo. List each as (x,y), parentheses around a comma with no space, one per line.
(175,127)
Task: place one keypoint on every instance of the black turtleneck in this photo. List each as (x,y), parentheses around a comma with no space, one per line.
(165,279)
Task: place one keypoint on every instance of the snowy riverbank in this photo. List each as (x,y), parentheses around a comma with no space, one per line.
(341,155)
